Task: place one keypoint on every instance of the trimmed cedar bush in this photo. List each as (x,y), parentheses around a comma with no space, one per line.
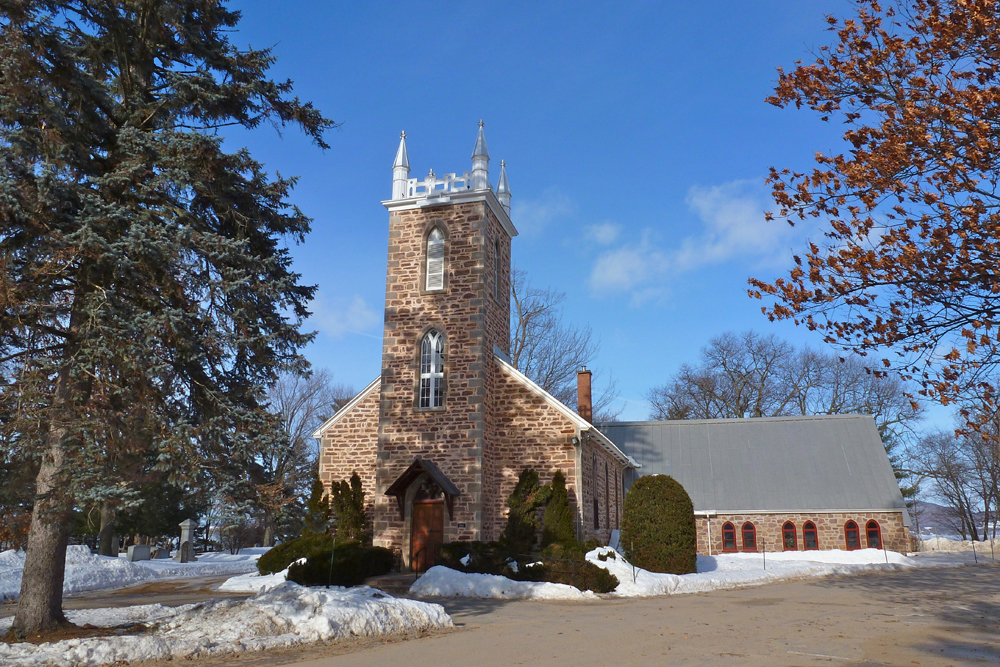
(658,530)
(522,520)
(347,502)
(352,564)
(557,520)
(279,557)
(317,519)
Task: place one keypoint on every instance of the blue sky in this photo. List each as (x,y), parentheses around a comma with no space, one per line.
(637,141)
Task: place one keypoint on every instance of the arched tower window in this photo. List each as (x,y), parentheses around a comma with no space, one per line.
(434,270)
(852,536)
(728,537)
(874,535)
(809,538)
(749,537)
(788,539)
(431,370)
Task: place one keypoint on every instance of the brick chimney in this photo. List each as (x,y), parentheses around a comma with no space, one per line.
(584,405)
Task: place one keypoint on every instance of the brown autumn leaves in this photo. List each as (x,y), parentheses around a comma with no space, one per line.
(908,270)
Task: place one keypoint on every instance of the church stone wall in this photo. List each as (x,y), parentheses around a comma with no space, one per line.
(522,431)
(602,479)
(350,445)
(829,530)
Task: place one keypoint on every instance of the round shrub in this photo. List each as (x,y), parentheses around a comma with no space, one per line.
(352,564)
(279,557)
(658,530)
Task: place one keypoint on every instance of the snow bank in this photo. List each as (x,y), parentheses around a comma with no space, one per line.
(87,572)
(288,614)
(743,569)
(445,582)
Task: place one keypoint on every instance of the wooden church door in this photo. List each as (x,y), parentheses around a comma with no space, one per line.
(427,533)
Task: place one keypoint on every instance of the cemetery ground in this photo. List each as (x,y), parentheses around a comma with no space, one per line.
(922,616)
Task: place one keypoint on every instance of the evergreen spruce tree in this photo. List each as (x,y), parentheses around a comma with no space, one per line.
(557,520)
(142,264)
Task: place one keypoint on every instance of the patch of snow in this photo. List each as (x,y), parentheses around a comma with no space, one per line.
(445,582)
(86,571)
(464,560)
(288,614)
(743,569)
(254,582)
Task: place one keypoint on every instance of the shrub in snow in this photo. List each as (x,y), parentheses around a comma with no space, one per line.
(568,565)
(658,529)
(317,519)
(477,557)
(558,526)
(280,557)
(352,564)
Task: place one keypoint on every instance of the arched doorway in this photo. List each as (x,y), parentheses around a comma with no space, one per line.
(427,532)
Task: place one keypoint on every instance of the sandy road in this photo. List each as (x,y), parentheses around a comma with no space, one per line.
(948,616)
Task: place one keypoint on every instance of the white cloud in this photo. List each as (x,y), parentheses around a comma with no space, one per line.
(338,316)
(605,233)
(531,216)
(628,266)
(732,228)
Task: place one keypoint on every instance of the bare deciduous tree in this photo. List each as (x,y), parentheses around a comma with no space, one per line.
(284,469)
(548,350)
(753,375)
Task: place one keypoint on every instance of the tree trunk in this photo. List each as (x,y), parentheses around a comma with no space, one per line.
(106,538)
(39,607)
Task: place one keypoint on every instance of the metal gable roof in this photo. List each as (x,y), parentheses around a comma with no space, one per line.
(767,465)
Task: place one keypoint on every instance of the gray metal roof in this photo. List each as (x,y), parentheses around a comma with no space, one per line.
(770,465)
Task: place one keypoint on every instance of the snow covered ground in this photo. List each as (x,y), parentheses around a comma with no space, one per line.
(714,572)
(254,582)
(87,572)
(283,616)
(445,582)
(948,544)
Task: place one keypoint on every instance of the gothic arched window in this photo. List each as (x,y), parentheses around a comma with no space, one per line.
(809,535)
(728,537)
(434,269)
(788,537)
(431,370)
(749,537)
(874,533)
(852,536)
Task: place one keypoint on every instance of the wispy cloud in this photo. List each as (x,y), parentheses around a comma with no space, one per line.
(732,228)
(339,316)
(604,233)
(532,216)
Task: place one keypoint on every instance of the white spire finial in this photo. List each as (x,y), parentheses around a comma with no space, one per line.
(400,169)
(503,188)
(480,162)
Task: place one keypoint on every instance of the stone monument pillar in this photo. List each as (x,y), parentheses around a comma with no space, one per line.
(185,554)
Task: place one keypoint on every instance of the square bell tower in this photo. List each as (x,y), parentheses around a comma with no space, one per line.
(447,317)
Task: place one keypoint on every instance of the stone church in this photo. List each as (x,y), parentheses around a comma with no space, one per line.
(440,437)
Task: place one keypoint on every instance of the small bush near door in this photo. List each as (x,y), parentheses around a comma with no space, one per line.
(658,529)
(352,564)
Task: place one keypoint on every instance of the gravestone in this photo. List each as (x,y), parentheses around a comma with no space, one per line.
(161,552)
(138,552)
(186,552)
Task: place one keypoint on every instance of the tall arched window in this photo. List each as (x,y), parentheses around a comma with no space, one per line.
(809,538)
(597,515)
(434,269)
(728,537)
(874,535)
(431,370)
(749,537)
(852,536)
(788,539)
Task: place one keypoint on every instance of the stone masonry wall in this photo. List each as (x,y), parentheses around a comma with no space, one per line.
(451,437)
(497,310)
(351,445)
(829,530)
(602,481)
(522,431)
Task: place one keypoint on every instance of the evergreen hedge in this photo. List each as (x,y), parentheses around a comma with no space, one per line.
(557,520)
(352,564)
(658,529)
(279,557)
